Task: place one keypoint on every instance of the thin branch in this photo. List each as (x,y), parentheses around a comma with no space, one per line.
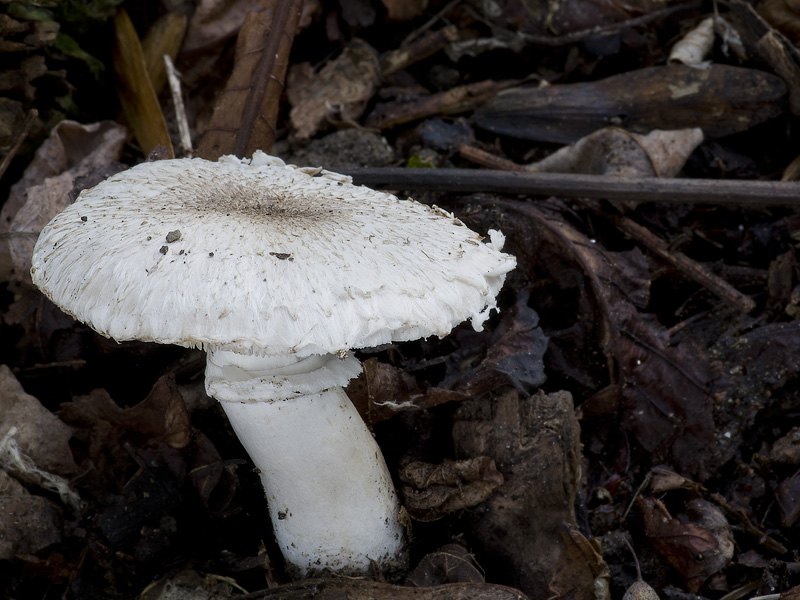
(610,187)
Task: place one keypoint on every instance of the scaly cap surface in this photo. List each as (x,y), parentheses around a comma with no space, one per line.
(259,255)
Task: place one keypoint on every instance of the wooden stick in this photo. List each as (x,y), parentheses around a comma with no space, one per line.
(611,187)
(685,265)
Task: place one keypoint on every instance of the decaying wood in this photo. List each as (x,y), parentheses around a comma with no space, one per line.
(244,118)
(567,185)
(487,159)
(455,100)
(575,37)
(533,440)
(721,100)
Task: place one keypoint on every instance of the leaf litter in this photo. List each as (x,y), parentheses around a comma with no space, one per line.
(640,380)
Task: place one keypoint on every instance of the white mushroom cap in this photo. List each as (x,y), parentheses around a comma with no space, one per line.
(261,256)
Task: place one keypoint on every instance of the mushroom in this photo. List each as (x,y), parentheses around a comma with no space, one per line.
(278,272)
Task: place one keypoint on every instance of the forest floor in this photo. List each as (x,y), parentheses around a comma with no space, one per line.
(632,407)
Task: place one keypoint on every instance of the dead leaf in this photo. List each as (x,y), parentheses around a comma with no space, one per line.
(383,391)
(244,115)
(28,525)
(458,99)
(535,443)
(404,10)
(515,355)
(664,390)
(697,547)
(40,435)
(136,93)
(449,564)
(71,152)
(190,584)
(215,21)
(163,38)
(580,573)
(160,418)
(433,491)
(783,15)
(614,151)
(692,49)
(666,397)
(786,450)
(148,496)
(663,479)
(753,366)
(787,495)
(212,479)
(770,46)
(341,88)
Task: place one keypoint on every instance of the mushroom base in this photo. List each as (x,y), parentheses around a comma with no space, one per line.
(330,494)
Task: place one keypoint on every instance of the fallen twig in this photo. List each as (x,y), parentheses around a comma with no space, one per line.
(611,187)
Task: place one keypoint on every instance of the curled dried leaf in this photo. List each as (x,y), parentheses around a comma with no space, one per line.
(432,491)
(693,48)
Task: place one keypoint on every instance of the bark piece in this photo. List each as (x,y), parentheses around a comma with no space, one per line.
(721,101)
(535,443)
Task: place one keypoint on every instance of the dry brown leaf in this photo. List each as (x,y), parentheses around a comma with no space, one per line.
(404,10)
(787,495)
(163,38)
(453,101)
(786,450)
(160,418)
(244,116)
(28,524)
(136,93)
(614,151)
(451,563)
(72,153)
(215,21)
(666,397)
(580,573)
(664,479)
(698,547)
(783,15)
(692,49)
(771,46)
(340,89)
(40,435)
(433,491)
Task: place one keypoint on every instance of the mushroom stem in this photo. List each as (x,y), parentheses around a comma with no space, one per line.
(330,494)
